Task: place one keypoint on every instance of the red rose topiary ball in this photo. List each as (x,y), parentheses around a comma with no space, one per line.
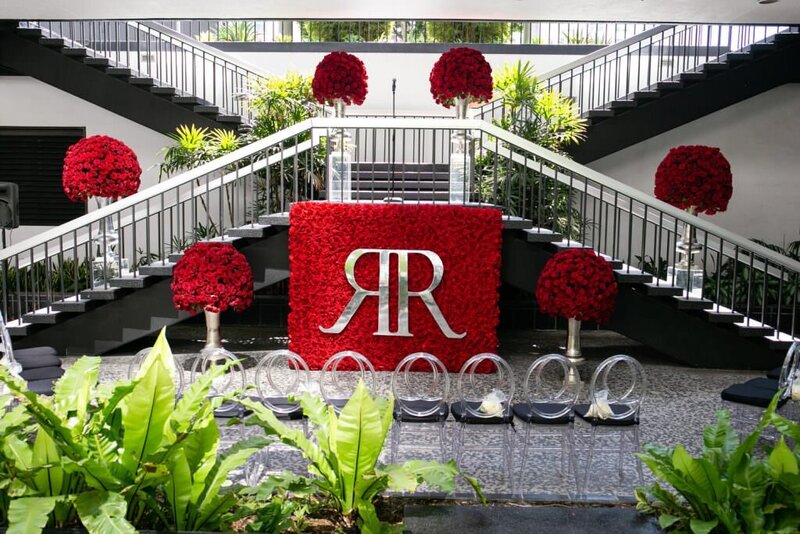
(695,175)
(340,75)
(100,166)
(461,73)
(213,277)
(577,283)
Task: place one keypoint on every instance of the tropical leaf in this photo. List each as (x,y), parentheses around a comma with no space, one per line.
(48,481)
(103,513)
(178,488)
(702,527)
(782,460)
(73,391)
(28,515)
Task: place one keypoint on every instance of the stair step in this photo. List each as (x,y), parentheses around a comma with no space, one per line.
(691,303)
(157,269)
(206,110)
(253,231)
(229,119)
(631,276)
(163,91)
(787,37)
(52,42)
(693,76)
(558,246)
(275,219)
(716,66)
(175,257)
(646,95)
(402,185)
(623,104)
(662,289)
(75,52)
(600,113)
(74,305)
(121,72)
(614,263)
(30,32)
(542,235)
(132,282)
(735,57)
(110,293)
(43,317)
(781,343)
(763,48)
(724,317)
(669,85)
(102,62)
(189,101)
(754,329)
(18,328)
(142,82)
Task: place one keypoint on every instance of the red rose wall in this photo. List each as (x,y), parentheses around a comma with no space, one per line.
(323,235)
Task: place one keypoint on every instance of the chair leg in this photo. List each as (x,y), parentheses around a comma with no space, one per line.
(523,457)
(443,442)
(395,441)
(585,483)
(458,442)
(621,455)
(508,451)
(573,458)
(637,445)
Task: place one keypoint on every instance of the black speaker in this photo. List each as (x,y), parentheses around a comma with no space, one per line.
(9,205)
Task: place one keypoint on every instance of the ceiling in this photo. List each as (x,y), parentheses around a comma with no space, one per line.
(785,11)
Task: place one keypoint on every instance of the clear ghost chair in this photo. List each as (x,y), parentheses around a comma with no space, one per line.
(279,375)
(618,388)
(484,398)
(177,377)
(420,386)
(337,385)
(746,401)
(549,397)
(234,379)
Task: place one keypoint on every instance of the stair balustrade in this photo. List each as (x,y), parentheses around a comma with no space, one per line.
(542,195)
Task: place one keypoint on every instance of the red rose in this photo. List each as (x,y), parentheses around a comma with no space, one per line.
(695,175)
(577,283)
(340,75)
(214,277)
(100,166)
(461,73)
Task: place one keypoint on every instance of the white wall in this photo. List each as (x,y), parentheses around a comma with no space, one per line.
(26,101)
(761,139)
(411,70)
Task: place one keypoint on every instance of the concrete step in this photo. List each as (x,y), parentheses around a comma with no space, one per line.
(558,246)
(275,219)
(132,282)
(623,104)
(738,57)
(19,328)
(753,329)
(692,303)
(119,72)
(542,235)
(646,95)
(74,305)
(716,66)
(44,316)
(229,119)
(763,48)
(189,101)
(108,293)
(76,52)
(206,110)
(163,91)
(692,77)
(722,316)
(253,231)
(662,289)
(141,81)
(52,42)
(669,85)
(100,62)
(30,32)
(157,269)
(630,275)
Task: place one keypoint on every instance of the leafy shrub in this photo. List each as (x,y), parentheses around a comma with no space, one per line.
(731,487)
(467,32)
(343,460)
(332,31)
(231,31)
(114,457)
(193,146)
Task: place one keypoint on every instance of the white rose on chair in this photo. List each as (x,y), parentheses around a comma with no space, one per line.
(492,403)
(600,408)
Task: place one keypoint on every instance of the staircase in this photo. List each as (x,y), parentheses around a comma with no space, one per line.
(412,182)
(668,76)
(745,318)
(139,70)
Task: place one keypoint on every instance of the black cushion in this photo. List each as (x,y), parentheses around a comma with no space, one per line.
(40,373)
(296,412)
(755,392)
(524,411)
(420,405)
(41,387)
(774,374)
(462,416)
(33,360)
(632,419)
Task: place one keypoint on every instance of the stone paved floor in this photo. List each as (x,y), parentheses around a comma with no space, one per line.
(680,402)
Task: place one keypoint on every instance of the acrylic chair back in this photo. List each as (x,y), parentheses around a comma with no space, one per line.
(790,369)
(279,375)
(337,384)
(177,377)
(624,380)
(481,376)
(550,387)
(421,385)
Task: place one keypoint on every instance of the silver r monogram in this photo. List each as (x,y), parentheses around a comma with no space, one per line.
(382,293)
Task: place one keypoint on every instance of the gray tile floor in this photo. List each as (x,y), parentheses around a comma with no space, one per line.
(680,402)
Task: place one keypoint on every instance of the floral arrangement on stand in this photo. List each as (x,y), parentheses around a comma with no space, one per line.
(461,73)
(698,179)
(695,177)
(340,78)
(100,166)
(213,277)
(578,285)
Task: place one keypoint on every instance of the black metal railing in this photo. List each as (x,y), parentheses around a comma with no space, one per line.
(410,160)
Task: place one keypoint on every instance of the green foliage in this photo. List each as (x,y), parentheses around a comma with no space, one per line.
(467,32)
(116,457)
(332,31)
(731,486)
(231,31)
(346,478)
(195,146)
(579,37)
(279,102)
